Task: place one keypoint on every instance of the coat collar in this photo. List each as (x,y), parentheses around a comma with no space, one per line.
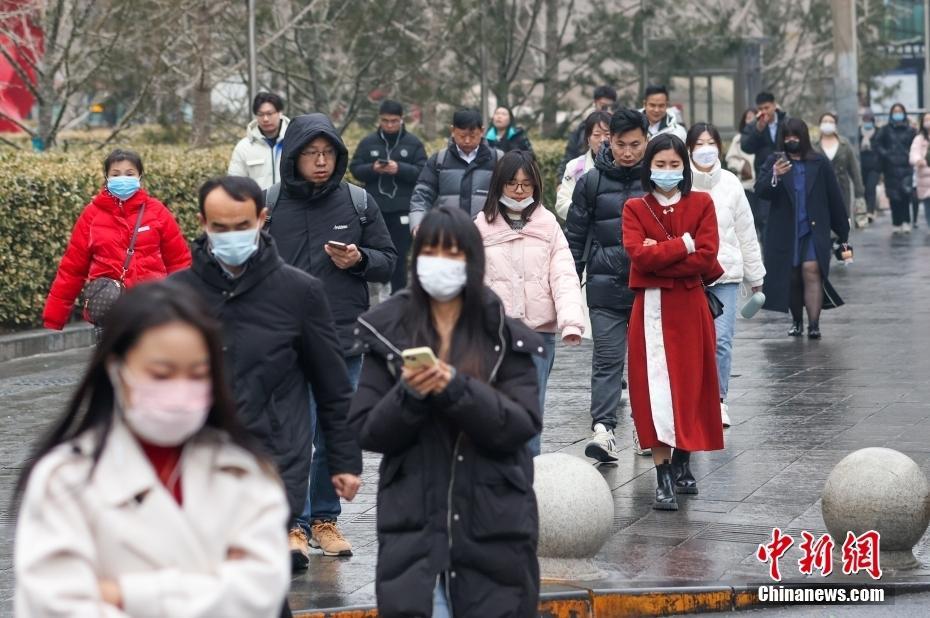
(705,181)
(108,202)
(255,134)
(811,171)
(499,231)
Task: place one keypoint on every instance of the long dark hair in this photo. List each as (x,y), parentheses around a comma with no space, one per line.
(922,128)
(795,127)
(449,227)
(506,171)
(666,141)
(93,404)
(695,132)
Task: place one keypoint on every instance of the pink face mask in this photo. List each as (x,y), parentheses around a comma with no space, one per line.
(165,412)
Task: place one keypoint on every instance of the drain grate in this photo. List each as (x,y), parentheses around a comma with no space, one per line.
(21,385)
(670,530)
(750,534)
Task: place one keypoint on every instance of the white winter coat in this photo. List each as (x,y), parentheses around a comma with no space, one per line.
(739,252)
(121,523)
(253,157)
(575,169)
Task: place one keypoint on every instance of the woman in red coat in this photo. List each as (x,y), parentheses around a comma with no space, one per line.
(671,237)
(100,239)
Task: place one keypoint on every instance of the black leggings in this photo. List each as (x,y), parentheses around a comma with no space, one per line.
(806,292)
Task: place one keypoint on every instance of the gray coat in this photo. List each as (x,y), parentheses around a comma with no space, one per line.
(846,167)
(447,180)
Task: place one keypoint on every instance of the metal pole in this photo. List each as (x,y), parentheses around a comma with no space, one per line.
(926,89)
(253,62)
(847,69)
(642,9)
(484,67)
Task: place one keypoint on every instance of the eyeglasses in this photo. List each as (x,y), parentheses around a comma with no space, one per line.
(523,186)
(316,154)
(266,115)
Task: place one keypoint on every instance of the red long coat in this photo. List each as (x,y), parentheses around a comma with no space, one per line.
(674,389)
(98,246)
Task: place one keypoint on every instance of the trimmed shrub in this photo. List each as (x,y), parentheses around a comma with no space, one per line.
(41,196)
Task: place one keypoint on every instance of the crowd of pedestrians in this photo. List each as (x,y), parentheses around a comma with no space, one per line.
(234,386)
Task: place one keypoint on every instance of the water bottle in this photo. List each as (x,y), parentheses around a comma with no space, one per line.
(751,308)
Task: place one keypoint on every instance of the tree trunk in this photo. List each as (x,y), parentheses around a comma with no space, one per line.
(550,98)
(203,105)
(45,84)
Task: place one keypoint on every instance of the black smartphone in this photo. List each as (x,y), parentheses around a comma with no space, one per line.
(780,157)
(382,161)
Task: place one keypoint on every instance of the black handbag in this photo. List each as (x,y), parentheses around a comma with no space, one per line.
(713,303)
(99,295)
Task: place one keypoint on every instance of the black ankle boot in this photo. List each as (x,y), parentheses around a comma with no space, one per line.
(681,469)
(797,330)
(813,330)
(665,489)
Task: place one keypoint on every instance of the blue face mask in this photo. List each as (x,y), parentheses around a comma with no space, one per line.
(123,187)
(898,116)
(234,248)
(868,126)
(667,179)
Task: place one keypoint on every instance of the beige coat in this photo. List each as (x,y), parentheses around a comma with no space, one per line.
(121,523)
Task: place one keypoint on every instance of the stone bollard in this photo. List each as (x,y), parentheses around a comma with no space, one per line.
(879,489)
(576,511)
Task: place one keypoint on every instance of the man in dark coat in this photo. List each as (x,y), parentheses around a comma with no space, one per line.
(760,139)
(388,162)
(278,335)
(593,229)
(605,98)
(459,174)
(322,227)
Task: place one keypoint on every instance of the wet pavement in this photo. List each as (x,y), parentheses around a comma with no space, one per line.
(797,407)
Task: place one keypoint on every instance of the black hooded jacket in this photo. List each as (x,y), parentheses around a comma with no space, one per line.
(307,216)
(455,492)
(608,282)
(277,336)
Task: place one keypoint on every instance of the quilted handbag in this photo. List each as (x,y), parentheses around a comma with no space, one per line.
(101,294)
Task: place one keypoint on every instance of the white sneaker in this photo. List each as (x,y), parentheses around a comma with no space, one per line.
(895,230)
(724,409)
(906,228)
(603,445)
(637,448)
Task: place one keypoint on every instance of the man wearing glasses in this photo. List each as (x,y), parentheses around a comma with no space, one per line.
(336,233)
(258,154)
(389,161)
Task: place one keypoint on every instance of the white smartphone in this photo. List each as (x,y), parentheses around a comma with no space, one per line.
(419,358)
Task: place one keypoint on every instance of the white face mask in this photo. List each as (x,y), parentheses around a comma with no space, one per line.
(163,412)
(443,279)
(705,155)
(517,206)
(828,128)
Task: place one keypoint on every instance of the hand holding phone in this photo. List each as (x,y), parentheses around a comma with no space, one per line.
(419,358)
(335,244)
(382,161)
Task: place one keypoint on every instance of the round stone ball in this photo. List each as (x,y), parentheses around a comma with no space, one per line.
(877,489)
(576,509)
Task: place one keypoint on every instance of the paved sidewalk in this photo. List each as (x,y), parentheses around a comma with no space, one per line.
(798,407)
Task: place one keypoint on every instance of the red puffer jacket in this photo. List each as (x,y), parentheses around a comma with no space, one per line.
(98,248)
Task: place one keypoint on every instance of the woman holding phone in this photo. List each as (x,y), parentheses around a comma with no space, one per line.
(146,497)
(806,204)
(529,264)
(457,520)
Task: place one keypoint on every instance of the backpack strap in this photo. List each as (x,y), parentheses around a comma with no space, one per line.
(590,195)
(441,158)
(271,194)
(360,203)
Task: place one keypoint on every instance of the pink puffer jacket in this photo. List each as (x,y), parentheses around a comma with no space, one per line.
(533,272)
(918,160)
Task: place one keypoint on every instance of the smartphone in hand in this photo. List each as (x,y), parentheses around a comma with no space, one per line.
(419,358)
(335,244)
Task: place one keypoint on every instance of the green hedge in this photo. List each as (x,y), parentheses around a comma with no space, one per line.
(41,196)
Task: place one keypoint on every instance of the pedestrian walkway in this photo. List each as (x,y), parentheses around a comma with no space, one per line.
(797,407)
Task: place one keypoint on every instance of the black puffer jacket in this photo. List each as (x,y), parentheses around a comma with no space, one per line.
(277,336)
(608,263)
(393,191)
(893,143)
(455,493)
(307,216)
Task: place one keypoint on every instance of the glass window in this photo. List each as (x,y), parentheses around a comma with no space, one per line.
(701,91)
(723,89)
(679,90)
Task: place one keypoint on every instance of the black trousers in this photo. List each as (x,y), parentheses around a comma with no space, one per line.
(400,236)
(870,180)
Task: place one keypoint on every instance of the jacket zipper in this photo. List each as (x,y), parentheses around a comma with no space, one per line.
(455,457)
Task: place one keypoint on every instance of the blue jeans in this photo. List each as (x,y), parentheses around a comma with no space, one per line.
(725,326)
(322,501)
(440,602)
(543,369)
